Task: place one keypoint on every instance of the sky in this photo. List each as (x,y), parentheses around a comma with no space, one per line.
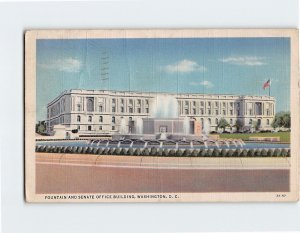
(237,66)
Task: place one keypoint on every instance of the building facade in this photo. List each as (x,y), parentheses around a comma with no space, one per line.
(99,112)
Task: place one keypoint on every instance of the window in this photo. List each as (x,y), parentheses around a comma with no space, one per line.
(186,111)
(186,103)
(194,111)
(90,119)
(231,122)
(147,101)
(209,112)
(113,119)
(113,101)
(202,122)
(113,127)
(217,104)
(100,127)
(268,112)
(224,112)
(100,118)
(89,128)
(231,112)
(78,107)
(202,111)
(113,109)
(237,105)
(224,104)
(138,101)
(268,122)
(130,109)
(231,104)
(250,122)
(147,110)
(250,112)
(209,120)
(100,108)
(202,103)
(90,104)
(139,110)
(238,112)
(209,104)
(194,103)
(217,112)
(122,109)
(130,101)
(78,118)
(217,121)
(122,101)
(130,118)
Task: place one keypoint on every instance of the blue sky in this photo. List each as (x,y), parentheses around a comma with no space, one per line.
(188,65)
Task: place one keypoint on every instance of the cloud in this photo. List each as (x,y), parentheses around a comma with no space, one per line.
(184,66)
(244,60)
(204,83)
(69,65)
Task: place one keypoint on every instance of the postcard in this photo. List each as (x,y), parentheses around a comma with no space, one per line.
(161,115)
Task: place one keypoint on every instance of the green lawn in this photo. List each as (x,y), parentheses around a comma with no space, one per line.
(284,136)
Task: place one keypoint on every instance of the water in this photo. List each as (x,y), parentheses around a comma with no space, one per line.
(186,126)
(123,127)
(164,106)
(114,144)
(139,126)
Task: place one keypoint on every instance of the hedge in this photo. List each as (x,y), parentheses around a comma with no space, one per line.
(164,152)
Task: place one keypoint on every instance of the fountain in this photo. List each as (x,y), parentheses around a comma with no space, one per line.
(139,126)
(119,144)
(164,106)
(186,126)
(123,127)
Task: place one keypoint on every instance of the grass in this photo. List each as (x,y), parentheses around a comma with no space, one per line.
(284,136)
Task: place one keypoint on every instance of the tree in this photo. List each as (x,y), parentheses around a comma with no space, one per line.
(40,127)
(255,125)
(239,124)
(282,119)
(223,124)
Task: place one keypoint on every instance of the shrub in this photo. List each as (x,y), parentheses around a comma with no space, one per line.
(74,149)
(264,153)
(250,153)
(117,151)
(270,153)
(179,153)
(146,152)
(137,152)
(130,151)
(100,151)
(123,151)
(288,153)
(223,153)
(153,151)
(95,151)
(216,152)
(236,153)
(244,153)
(54,149)
(165,152)
(172,153)
(47,149)
(209,153)
(230,153)
(194,153)
(203,152)
(159,152)
(257,153)
(59,149)
(187,153)
(276,153)
(284,153)
(105,151)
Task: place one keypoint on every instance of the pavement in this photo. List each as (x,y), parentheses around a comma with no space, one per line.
(78,173)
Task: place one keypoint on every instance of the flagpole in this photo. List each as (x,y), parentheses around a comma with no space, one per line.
(270,90)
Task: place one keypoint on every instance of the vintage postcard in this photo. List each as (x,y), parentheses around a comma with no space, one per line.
(161,115)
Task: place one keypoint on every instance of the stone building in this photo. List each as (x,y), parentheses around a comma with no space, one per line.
(99,112)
